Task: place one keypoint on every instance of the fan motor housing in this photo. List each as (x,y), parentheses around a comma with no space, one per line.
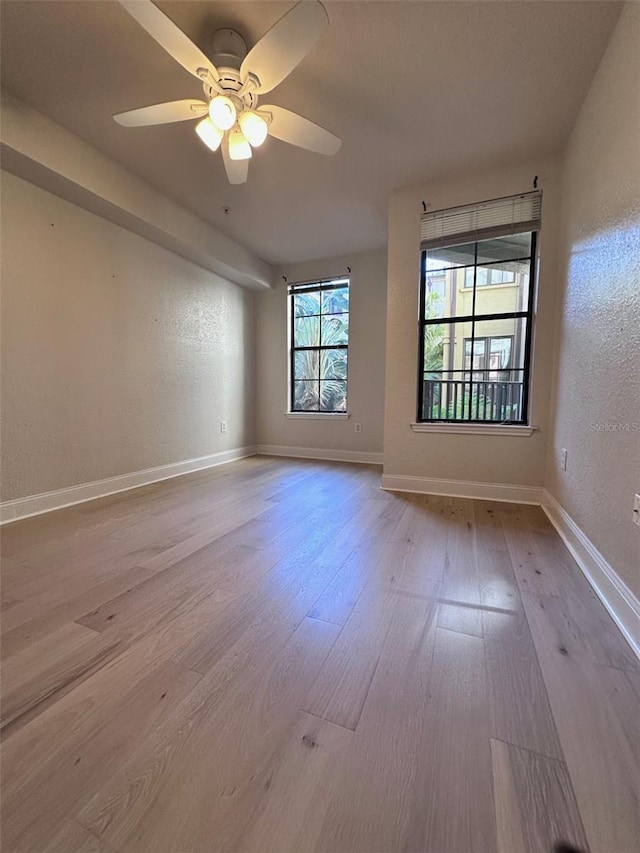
(229,48)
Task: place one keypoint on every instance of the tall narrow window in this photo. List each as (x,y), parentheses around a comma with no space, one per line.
(319,346)
(476,311)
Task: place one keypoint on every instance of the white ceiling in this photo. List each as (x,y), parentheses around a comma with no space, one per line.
(416,90)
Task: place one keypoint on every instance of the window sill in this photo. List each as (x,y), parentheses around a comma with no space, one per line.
(321,416)
(475,429)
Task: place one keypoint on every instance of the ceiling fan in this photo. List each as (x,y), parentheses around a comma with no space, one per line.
(230,117)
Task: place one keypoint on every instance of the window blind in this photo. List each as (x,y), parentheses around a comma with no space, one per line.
(481,221)
(331,284)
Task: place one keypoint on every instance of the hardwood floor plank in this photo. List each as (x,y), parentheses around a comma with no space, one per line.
(372,562)
(93,699)
(243,727)
(45,671)
(498,585)
(423,532)
(74,838)
(535,804)
(291,793)
(623,690)
(541,562)
(341,688)
(582,625)
(35,807)
(461,578)
(29,689)
(488,527)
(466,620)
(374,793)
(604,773)
(456,804)
(164,595)
(38,618)
(520,710)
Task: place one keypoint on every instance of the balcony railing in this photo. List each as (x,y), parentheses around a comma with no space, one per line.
(472,399)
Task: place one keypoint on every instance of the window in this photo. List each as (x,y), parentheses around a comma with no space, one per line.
(319,346)
(475,337)
(489,276)
(491,358)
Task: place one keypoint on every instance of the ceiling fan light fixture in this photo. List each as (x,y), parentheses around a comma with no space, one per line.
(254,127)
(222,112)
(209,134)
(239,148)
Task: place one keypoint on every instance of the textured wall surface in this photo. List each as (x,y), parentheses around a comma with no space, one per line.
(366,358)
(482,458)
(597,392)
(117,355)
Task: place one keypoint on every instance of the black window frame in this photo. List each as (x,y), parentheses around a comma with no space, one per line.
(313,287)
(527,315)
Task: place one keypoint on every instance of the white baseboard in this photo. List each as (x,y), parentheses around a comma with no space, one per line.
(616,596)
(462,489)
(48,501)
(320,453)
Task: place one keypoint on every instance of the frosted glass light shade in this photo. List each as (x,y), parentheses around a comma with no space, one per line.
(209,134)
(222,112)
(239,148)
(254,127)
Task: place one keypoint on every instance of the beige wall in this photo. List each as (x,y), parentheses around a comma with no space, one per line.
(598,377)
(482,458)
(366,359)
(117,355)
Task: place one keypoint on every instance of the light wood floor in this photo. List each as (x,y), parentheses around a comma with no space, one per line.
(276,656)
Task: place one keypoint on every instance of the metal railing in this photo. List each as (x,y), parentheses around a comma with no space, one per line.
(472,399)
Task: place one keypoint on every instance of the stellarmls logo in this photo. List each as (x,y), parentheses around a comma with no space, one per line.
(614,427)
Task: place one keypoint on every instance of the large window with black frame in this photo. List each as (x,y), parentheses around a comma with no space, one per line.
(319,346)
(476,312)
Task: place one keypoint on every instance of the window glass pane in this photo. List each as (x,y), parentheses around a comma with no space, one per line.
(333,364)
(512,293)
(514,246)
(443,346)
(445,396)
(333,396)
(306,365)
(499,355)
(505,347)
(475,352)
(306,303)
(452,256)
(335,329)
(335,301)
(306,396)
(441,294)
(307,332)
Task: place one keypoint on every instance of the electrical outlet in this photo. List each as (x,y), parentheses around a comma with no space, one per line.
(636,510)
(223,426)
(357,427)
(563,459)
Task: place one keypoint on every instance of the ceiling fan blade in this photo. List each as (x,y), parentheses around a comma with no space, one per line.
(169,36)
(237,170)
(292,128)
(285,45)
(163,113)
